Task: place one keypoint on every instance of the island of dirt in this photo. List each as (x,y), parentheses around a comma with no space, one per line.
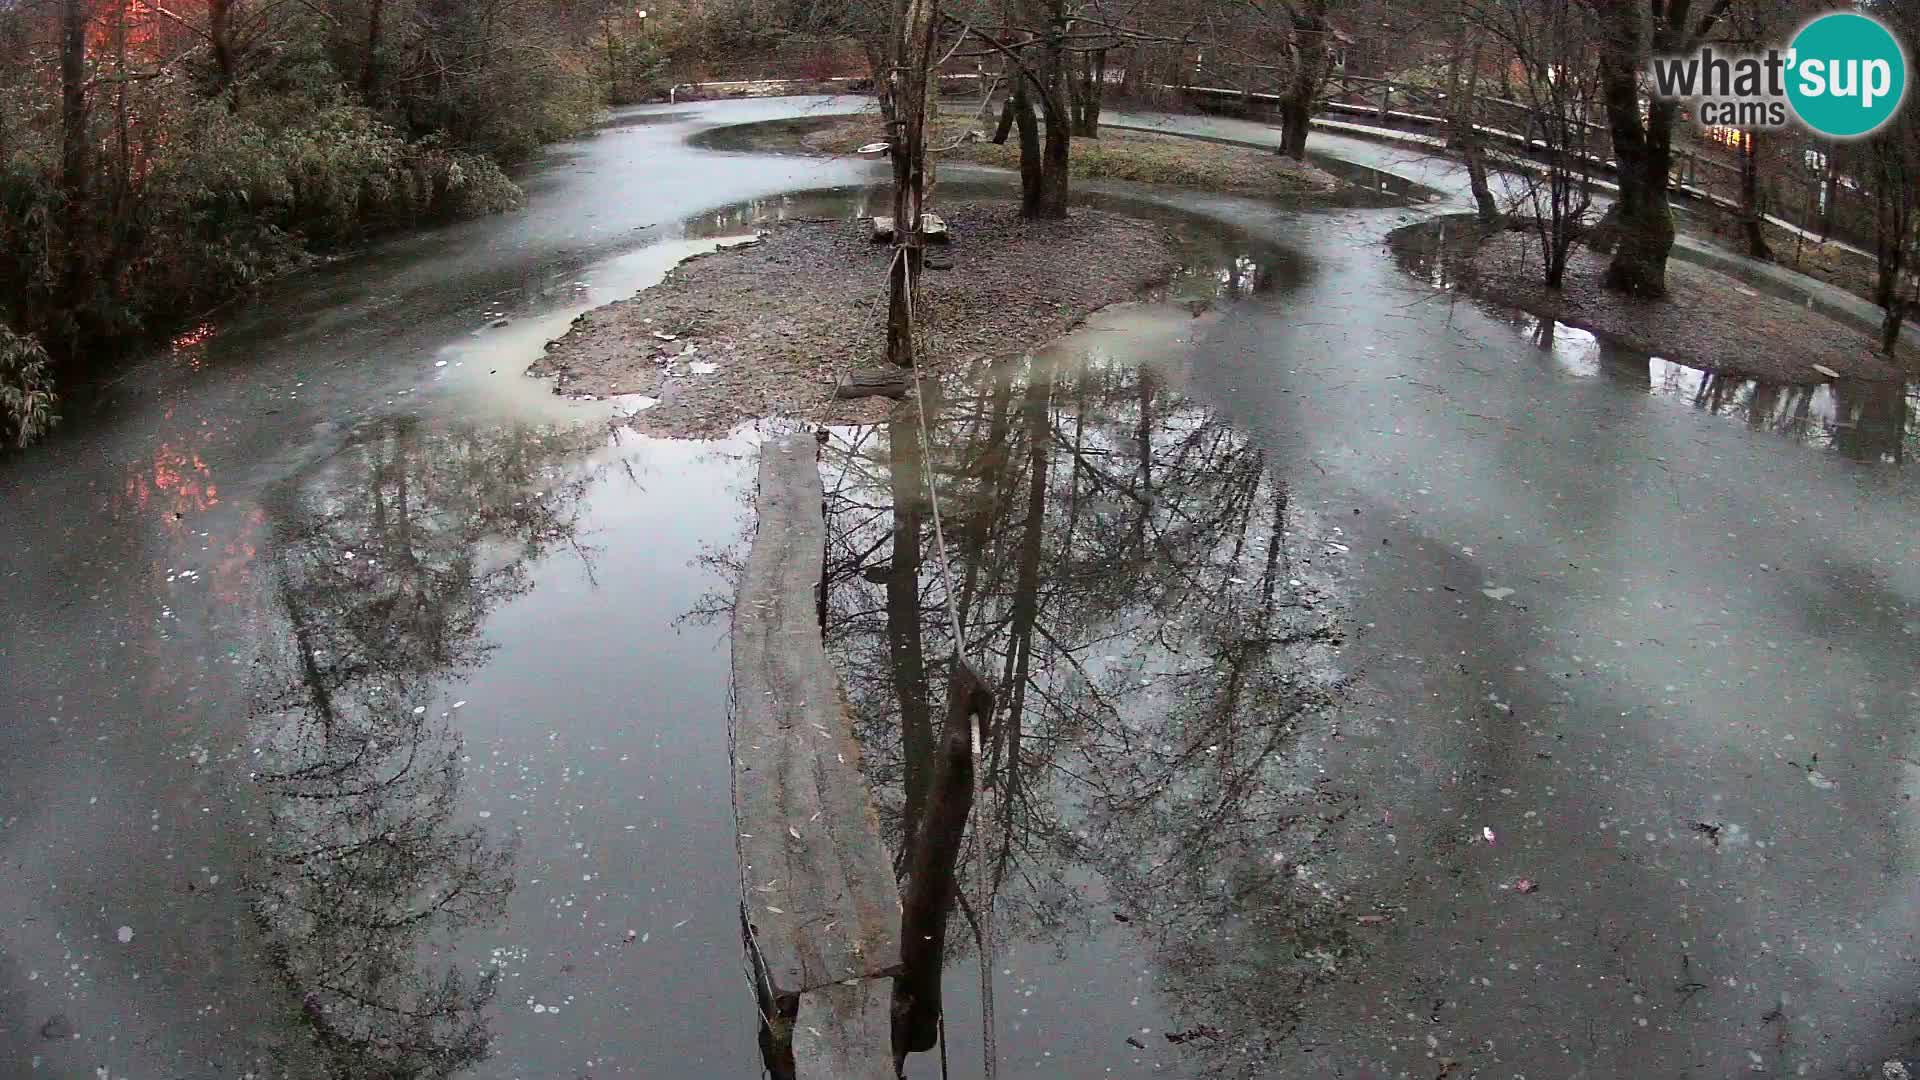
(769,329)
(1118,154)
(1709,319)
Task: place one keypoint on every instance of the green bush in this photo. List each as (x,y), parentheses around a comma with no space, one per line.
(26,389)
(200,182)
(226,204)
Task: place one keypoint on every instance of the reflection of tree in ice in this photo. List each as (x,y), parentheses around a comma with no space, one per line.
(1144,598)
(386,565)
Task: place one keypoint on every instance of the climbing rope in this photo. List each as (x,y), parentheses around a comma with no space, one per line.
(922,347)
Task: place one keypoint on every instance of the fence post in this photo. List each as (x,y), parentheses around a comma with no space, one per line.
(1386,98)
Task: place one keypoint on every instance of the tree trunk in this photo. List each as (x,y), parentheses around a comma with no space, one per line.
(1029,149)
(931,878)
(370,71)
(1893,225)
(1005,127)
(1752,214)
(1090,85)
(613,61)
(220,42)
(1054,185)
(73,155)
(908,131)
(1311,61)
(73,100)
(1643,234)
(1461,94)
(120,206)
(1643,148)
(1296,119)
(1055,118)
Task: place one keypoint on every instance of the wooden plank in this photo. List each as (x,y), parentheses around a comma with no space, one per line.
(822,906)
(833,1034)
(887,382)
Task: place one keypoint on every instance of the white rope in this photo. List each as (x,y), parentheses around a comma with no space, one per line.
(990,1053)
(926,457)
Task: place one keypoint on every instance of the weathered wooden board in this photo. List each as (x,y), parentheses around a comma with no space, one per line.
(887,382)
(834,1034)
(822,906)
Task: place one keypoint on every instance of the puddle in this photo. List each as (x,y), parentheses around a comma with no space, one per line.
(1159,619)
(1376,181)
(463,871)
(1863,420)
(479,807)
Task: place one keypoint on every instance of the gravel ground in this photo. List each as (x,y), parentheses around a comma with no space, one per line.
(1709,320)
(768,330)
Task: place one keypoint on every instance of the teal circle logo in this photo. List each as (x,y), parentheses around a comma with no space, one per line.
(1848,75)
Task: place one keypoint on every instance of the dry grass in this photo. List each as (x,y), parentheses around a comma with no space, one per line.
(1135,157)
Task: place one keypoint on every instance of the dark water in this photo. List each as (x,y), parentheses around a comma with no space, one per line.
(401,681)
(381,697)
(1159,620)
(1866,420)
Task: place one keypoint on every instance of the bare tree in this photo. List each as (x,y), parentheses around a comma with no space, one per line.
(1630,31)
(1309,60)
(910,92)
(1462,115)
(1894,161)
(1893,155)
(1552,43)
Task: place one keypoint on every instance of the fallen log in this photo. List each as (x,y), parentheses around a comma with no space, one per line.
(820,908)
(890,382)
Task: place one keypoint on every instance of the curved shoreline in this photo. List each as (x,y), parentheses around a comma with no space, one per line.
(768,327)
(1714,320)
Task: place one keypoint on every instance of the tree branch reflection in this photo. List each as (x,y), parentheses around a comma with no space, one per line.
(386,564)
(1148,607)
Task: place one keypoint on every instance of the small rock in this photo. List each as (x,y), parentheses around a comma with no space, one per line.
(58,1027)
(501,322)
